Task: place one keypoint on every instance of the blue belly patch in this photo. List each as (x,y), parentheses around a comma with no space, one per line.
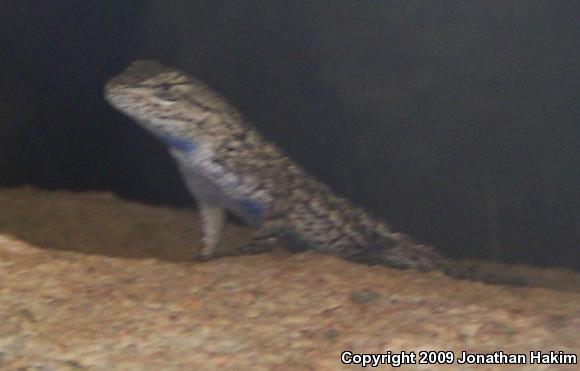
(253,209)
(182,145)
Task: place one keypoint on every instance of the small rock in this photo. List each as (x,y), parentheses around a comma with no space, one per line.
(363,297)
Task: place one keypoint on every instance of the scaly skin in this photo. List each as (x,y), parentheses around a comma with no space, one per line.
(228,165)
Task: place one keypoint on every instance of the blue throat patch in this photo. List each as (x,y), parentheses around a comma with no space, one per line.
(182,145)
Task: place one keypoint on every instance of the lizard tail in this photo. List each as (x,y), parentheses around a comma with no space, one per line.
(404,253)
(474,271)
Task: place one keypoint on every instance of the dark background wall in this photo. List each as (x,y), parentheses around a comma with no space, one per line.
(458,122)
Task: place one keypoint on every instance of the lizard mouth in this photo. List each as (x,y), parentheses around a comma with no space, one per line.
(109,91)
(120,95)
(112,94)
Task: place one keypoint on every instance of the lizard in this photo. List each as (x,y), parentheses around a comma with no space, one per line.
(227,165)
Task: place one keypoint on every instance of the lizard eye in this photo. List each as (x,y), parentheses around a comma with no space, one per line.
(164,93)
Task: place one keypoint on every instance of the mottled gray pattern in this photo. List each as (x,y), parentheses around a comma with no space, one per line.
(228,165)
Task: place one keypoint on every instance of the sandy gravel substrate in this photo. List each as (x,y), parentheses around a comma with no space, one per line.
(70,310)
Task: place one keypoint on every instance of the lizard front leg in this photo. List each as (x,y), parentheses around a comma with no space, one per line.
(211,208)
(213,219)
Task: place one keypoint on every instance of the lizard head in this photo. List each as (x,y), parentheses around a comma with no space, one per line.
(167,101)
